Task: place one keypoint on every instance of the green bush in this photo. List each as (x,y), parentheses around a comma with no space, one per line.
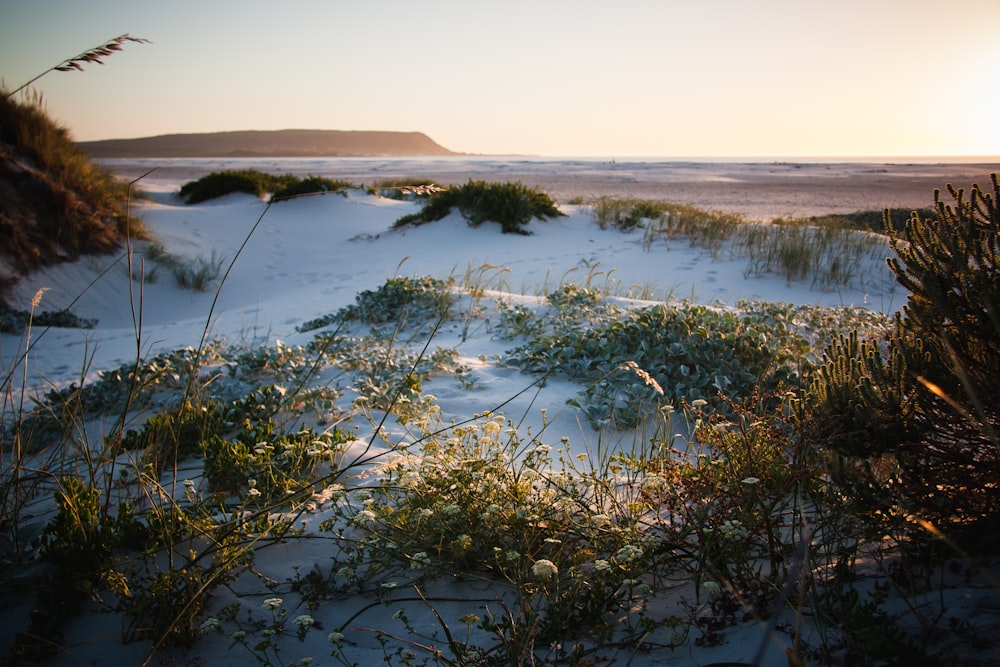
(257,183)
(398,300)
(222,183)
(513,205)
(915,416)
(13,320)
(310,185)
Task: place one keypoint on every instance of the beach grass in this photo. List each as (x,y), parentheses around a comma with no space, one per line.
(60,205)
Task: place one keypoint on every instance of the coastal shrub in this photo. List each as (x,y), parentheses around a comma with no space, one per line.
(309,186)
(914,415)
(513,205)
(14,321)
(686,352)
(222,183)
(257,183)
(399,299)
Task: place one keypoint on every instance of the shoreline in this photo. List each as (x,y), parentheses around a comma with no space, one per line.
(761,191)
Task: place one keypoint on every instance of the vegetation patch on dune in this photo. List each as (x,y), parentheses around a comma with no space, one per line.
(55,205)
(257,183)
(513,205)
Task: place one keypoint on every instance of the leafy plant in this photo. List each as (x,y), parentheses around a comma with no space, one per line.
(399,300)
(309,186)
(911,414)
(221,183)
(512,205)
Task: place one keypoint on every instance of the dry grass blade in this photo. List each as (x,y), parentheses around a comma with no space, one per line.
(93,55)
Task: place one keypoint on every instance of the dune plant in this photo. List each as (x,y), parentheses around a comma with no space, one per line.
(311,185)
(221,183)
(513,205)
(398,300)
(56,204)
(690,352)
(912,414)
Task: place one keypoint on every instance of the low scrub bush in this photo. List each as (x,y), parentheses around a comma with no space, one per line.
(684,352)
(311,185)
(399,300)
(257,183)
(910,412)
(513,205)
(15,321)
(222,183)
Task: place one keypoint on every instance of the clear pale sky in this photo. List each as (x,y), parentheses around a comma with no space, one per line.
(667,78)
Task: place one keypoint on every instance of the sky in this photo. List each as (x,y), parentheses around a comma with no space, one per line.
(668,78)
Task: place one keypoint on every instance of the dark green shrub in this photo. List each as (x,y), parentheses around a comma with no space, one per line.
(398,300)
(915,417)
(513,205)
(13,320)
(221,183)
(311,185)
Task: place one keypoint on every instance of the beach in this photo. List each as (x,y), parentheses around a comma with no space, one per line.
(281,267)
(760,190)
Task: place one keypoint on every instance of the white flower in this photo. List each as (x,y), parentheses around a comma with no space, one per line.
(304,621)
(734,529)
(389,585)
(544,569)
(211,623)
(628,553)
(335,637)
(419,560)
(712,589)
(272,603)
(253,493)
(601,566)
(751,480)
(238,635)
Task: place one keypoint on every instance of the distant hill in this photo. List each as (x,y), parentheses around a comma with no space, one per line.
(277,143)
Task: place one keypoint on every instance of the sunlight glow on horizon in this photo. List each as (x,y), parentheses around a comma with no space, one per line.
(556,78)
